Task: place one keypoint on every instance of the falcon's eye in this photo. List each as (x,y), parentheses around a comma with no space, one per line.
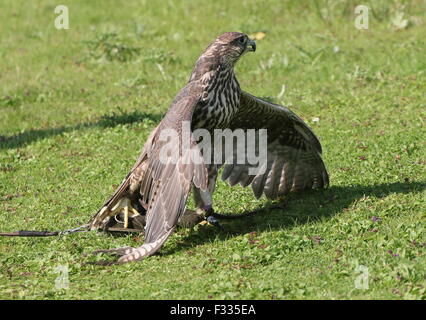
(242,40)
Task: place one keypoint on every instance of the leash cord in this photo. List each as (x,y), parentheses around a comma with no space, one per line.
(32,233)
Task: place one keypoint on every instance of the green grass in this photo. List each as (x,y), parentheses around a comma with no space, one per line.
(77,105)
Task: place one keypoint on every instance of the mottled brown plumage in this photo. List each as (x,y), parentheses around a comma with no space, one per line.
(212,99)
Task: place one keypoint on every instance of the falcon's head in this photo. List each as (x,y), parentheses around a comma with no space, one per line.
(230,46)
(223,52)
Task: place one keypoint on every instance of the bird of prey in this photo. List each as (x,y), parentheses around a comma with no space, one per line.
(158,188)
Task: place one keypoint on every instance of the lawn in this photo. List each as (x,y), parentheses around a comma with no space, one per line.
(76,106)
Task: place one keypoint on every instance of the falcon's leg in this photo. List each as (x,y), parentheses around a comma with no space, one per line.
(204,199)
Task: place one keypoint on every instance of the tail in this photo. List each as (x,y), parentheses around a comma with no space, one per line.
(146,250)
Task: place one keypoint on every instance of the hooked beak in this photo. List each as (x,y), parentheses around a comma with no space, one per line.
(251,45)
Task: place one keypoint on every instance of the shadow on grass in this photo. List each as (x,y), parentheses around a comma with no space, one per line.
(300,207)
(105,121)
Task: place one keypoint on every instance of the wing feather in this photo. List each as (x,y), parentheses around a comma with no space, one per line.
(294,160)
(163,183)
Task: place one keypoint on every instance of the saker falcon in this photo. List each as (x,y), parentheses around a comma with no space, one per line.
(212,99)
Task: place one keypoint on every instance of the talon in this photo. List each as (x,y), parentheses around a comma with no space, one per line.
(124,208)
(126,215)
(210,221)
(213,221)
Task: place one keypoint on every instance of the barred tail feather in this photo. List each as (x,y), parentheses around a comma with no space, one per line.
(146,250)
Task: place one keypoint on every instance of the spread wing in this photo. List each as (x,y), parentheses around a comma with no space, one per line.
(166,182)
(162,177)
(293,158)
